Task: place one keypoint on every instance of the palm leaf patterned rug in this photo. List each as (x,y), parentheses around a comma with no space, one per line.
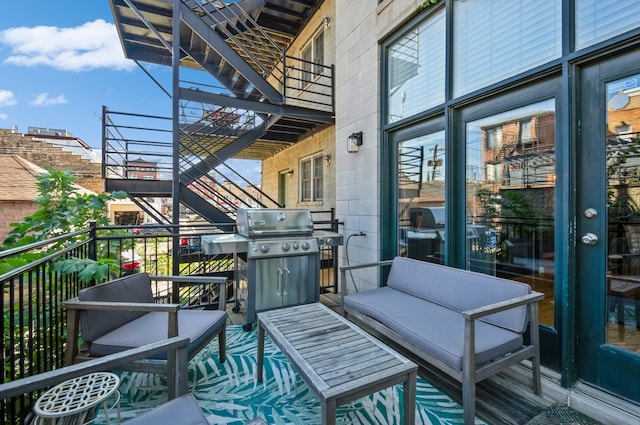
(229,394)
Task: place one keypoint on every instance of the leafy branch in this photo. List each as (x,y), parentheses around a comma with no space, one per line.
(63,209)
(425,4)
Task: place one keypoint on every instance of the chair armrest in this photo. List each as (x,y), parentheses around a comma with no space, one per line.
(343,277)
(486,310)
(73,307)
(366,265)
(36,382)
(199,280)
(76,304)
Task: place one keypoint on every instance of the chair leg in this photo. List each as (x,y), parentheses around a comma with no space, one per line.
(469,402)
(222,344)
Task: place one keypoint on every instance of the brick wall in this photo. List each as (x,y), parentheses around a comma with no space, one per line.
(89,174)
(12,212)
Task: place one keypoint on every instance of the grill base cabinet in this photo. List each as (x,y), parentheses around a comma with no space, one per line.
(281,281)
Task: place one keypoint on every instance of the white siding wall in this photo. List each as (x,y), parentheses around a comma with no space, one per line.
(360,26)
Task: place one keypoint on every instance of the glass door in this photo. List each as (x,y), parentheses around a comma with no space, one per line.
(608,226)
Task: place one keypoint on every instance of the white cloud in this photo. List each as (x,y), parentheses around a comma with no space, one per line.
(4,117)
(43,99)
(7,98)
(90,46)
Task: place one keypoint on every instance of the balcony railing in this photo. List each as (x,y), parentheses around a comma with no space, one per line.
(34,330)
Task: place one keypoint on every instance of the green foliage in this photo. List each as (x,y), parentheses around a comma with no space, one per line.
(425,4)
(620,176)
(62,210)
(507,204)
(87,268)
(488,202)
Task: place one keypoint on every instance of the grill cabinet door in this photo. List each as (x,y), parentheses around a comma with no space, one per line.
(281,281)
(269,283)
(296,275)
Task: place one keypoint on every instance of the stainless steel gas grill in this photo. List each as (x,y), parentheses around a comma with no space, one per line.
(283,257)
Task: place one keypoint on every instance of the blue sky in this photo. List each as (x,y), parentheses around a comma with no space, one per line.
(60,62)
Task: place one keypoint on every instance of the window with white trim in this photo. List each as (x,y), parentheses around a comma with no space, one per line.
(312,57)
(311,179)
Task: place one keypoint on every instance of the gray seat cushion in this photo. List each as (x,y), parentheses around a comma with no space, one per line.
(433,327)
(199,325)
(183,410)
(460,289)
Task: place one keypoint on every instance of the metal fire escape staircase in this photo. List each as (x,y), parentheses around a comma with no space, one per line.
(249,99)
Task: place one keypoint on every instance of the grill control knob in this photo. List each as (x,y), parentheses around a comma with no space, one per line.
(264,247)
(305,245)
(285,247)
(295,245)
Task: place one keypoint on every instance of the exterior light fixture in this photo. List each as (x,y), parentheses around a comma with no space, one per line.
(354,142)
(327,22)
(290,173)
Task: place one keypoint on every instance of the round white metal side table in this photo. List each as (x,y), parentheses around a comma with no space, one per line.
(73,402)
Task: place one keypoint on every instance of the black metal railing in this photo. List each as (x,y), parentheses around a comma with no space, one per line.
(139,147)
(34,325)
(325,220)
(34,333)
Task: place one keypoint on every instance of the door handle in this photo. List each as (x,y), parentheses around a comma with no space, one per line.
(589,239)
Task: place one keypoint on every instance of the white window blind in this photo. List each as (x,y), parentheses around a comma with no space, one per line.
(497,39)
(416,69)
(597,20)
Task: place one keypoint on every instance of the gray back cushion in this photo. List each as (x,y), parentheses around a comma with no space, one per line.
(135,288)
(459,289)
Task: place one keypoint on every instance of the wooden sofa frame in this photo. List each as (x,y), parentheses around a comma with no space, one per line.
(470,373)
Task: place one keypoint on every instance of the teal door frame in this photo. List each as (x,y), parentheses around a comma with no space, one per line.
(598,363)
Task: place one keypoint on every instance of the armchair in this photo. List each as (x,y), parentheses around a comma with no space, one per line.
(182,407)
(121,314)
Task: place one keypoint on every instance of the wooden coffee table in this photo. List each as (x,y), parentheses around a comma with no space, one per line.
(339,361)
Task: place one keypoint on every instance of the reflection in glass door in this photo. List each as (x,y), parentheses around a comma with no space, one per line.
(608,226)
(623,205)
(421,202)
(511,179)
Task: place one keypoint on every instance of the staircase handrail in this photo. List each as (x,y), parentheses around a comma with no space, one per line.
(267,64)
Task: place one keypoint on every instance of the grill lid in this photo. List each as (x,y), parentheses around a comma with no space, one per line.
(273,222)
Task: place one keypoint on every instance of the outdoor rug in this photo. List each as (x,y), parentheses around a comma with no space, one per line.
(229,394)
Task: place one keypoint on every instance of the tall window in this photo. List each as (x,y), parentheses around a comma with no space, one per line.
(495,40)
(598,20)
(511,196)
(420,197)
(525,130)
(494,137)
(415,65)
(313,57)
(311,179)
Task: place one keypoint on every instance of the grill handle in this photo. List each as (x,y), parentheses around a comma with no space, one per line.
(279,286)
(287,287)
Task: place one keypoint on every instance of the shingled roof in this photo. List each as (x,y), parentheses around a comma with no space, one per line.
(18,177)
